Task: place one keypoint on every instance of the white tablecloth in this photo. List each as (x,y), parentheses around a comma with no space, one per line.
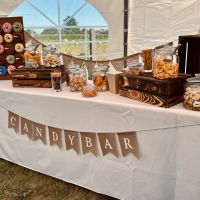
(168,140)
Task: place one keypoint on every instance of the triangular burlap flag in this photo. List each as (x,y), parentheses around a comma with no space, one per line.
(129,144)
(108,143)
(55,136)
(89,143)
(26,127)
(72,140)
(39,132)
(13,121)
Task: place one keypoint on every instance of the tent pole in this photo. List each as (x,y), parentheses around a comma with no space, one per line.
(125,30)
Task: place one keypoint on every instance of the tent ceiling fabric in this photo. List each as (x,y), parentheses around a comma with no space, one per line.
(112,11)
(153,22)
(7,6)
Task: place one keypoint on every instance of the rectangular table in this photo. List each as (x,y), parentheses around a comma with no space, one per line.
(168,143)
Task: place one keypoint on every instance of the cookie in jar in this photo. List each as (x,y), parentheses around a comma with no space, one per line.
(100,79)
(77,80)
(192,93)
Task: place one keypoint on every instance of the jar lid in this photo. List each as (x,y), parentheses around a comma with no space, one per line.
(195,79)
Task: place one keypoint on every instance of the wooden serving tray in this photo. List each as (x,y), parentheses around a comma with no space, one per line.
(145,88)
(37,77)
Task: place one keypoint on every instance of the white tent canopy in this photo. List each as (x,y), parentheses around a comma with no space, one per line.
(151,22)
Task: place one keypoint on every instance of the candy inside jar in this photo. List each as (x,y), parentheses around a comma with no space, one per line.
(89,91)
(165,63)
(51,57)
(77,79)
(100,79)
(32,57)
(192,94)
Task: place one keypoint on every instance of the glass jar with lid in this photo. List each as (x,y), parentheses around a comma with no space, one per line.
(192,93)
(77,79)
(165,63)
(100,78)
(70,68)
(135,68)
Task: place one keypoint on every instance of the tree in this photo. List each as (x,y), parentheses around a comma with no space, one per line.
(30,32)
(71,21)
(52,31)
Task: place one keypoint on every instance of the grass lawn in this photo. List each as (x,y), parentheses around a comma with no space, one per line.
(18,183)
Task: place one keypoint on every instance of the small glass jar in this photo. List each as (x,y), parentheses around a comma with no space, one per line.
(89,91)
(77,79)
(32,57)
(135,68)
(70,68)
(100,79)
(192,93)
(165,63)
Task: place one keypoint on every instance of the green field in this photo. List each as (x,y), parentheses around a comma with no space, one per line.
(70,46)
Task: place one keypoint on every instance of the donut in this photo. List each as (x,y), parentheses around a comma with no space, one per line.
(3,70)
(8,38)
(1,39)
(19,47)
(10,59)
(2,49)
(9,49)
(7,27)
(17,27)
(10,69)
(18,37)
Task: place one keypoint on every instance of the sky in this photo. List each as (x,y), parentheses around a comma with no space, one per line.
(88,16)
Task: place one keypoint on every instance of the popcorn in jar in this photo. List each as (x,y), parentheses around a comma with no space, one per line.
(100,79)
(77,79)
(165,63)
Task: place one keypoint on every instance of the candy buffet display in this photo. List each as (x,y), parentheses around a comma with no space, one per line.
(12,45)
(192,93)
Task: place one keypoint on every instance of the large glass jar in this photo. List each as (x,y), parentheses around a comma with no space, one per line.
(70,68)
(135,68)
(165,63)
(77,79)
(192,93)
(100,79)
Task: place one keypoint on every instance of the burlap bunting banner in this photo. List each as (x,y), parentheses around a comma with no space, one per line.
(26,127)
(128,143)
(72,141)
(55,137)
(89,143)
(108,143)
(39,132)
(13,121)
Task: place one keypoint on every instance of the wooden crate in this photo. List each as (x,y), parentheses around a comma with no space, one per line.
(145,88)
(39,77)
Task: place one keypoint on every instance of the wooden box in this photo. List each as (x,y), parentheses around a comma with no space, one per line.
(189,59)
(38,77)
(145,88)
